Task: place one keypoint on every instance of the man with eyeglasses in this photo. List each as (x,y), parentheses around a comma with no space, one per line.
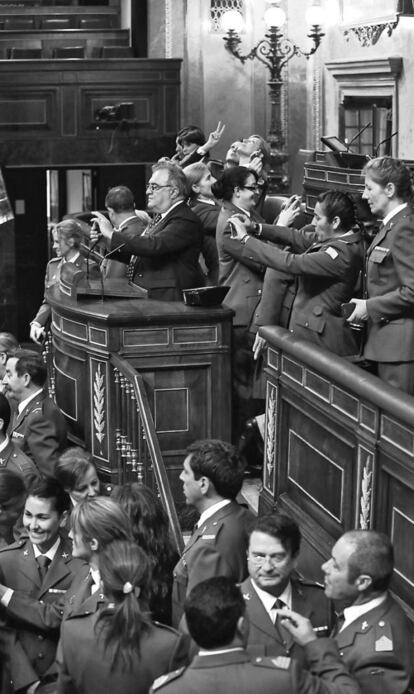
(274,585)
(164,259)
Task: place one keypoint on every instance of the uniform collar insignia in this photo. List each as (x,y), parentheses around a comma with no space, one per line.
(65,555)
(247,596)
(364,626)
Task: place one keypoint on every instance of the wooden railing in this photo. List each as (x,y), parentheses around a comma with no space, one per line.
(339,453)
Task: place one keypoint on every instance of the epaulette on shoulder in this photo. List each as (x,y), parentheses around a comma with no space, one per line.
(15,545)
(164,679)
(167,627)
(281,662)
(310,584)
(55,260)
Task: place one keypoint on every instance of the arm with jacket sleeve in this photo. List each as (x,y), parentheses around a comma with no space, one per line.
(174,237)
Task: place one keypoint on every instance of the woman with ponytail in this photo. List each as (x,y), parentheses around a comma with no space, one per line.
(118,648)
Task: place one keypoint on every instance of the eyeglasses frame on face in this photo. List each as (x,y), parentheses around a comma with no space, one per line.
(154,187)
(259,561)
(255,187)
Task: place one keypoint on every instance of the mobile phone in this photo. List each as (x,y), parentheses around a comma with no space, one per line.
(347,309)
(233,232)
(256,153)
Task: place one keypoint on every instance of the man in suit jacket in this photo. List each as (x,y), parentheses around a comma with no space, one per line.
(120,205)
(167,251)
(215,612)
(389,306)
(212,477)
(41,567)
(11,457)
(374,636)
(39,428)
(273,584)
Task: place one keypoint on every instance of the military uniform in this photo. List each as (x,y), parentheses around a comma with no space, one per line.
(86,667)
(328,272)
(52,277)
(33,655)
(235,671)
(378,649)
(40,432)
(266,638)
(12,458)
(217,548)
(390,304)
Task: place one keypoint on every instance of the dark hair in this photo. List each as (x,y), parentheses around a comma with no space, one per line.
(4,412)
(102,519)
(49,488)
(191,134)
(220,462)
(151,531)
(337,204)
(281,527)
(212,611)
(385,170)
(231,179)
(176,177)
(72,466)
(123,566)
(120,199)
(373,555)
(11,485)
(70,229)
(8,343)
(32,363)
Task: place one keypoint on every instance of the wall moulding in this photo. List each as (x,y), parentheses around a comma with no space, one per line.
(368,20)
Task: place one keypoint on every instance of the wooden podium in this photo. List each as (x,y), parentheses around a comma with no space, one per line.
(182,352)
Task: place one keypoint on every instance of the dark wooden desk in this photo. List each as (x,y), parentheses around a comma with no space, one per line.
(183,354)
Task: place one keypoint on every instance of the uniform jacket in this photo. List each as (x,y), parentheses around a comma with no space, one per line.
(378,649)
(237,672)
(242,274)
(40,432)
(390,287)
(217,548)
(113,269)
(208,215)
(328,272)
(12,458)
(35,655)
(167,256)
(86,667)
(52,276)
(266,638)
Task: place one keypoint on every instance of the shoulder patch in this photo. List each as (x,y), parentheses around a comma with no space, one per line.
(160,681)
(281,662)
(332,252)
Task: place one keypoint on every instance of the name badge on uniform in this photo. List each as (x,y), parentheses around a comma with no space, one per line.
(208,537)
(17,435)
(379,254)
(332,252)
(384,643)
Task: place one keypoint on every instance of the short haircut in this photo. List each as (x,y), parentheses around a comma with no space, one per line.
(282,528)
(220,462)
(385,170)
(102,519)
(176,177)
(212,611)
(373,555)
(337,204)
(264,148)
(231,179)
(11,485)
(70,229)
(32,363)
(4,412)
(191,134)
(8,343)
(72,466)
(120,199)
(194,173)
(49,488)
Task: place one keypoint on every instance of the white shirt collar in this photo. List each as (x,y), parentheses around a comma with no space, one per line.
(355,611)
(223,650)
(125,221)
(96,578)
(208,201)
(4,444)
(211,511)
(393,212)
(22,405)
(50,554)
(73,259)
(164,214)
(268,600)
(243,210)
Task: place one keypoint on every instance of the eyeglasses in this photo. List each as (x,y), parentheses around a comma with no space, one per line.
(260,559)
(251,187)
(153,187)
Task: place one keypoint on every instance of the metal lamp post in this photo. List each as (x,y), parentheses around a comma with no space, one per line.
(274,51)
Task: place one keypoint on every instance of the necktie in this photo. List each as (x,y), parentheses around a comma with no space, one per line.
(42,565)
(340,619)
(133,258)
